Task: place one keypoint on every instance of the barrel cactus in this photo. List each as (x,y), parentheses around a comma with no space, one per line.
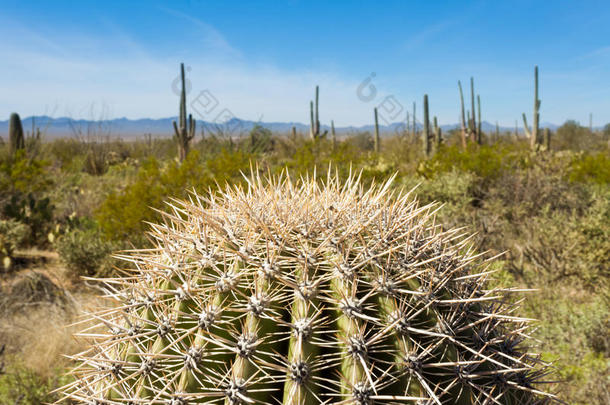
(306,292)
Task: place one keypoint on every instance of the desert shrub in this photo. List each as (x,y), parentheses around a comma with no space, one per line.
(122,214)
(24,183)
(566,246)
(487,162)
(567,320)
(66,152)
(225,166)
(573,136)
(542,186)
(23,386)
(260,140)
(362,141)
(591,168)
(12,235)
(86,252)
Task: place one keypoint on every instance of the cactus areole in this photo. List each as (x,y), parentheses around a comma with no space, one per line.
(306,292)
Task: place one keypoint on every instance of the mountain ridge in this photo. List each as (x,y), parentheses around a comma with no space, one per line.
(132,128)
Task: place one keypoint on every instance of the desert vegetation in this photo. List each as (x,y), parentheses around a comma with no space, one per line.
(541,201)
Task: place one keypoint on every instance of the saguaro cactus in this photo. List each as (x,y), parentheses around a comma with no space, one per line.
(377,140)
(314,126)
(333,135)
(184,130)
(304,293)
(438,134)
(472,120)
(414,122)
(426,134)
(533,134)
(15,133)
(479,124)
(464,127)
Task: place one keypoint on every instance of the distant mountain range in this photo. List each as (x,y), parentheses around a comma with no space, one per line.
(162,127)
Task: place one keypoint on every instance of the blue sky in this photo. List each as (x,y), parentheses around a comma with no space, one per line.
(262,59)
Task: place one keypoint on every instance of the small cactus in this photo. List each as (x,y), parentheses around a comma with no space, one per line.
(313,292)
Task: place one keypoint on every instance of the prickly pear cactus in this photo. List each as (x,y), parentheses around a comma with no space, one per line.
(306,293)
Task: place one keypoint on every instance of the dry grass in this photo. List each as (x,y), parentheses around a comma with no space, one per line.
(36,311)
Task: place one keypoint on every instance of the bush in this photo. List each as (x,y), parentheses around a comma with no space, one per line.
(24,183)
(23,386)
(12,236)
(85,252)
(487,162)
(122,214)
(591,168)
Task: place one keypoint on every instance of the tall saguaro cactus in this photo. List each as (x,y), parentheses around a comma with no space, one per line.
(426,134)
(533,133)
(472,119)
(333,135)
(184,130)
(414,122)
(314,117)
(464,133)
(377,148)
(479,130)
(15,134)
(438,134)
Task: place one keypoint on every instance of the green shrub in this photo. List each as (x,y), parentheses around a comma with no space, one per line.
(12,236)
(22,386)
(24,183)
(123,212)
(591,168)
(487,162)
(86,252)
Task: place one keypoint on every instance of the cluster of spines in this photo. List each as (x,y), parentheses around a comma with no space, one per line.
(306,294)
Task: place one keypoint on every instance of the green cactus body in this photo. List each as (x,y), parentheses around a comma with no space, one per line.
(15,133)
(303,293)
(426,134)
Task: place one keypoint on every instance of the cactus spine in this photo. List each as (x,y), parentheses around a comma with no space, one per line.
(15,134)
(184,130)
(377,147)
(426,133)
(306,293)
(533,134)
